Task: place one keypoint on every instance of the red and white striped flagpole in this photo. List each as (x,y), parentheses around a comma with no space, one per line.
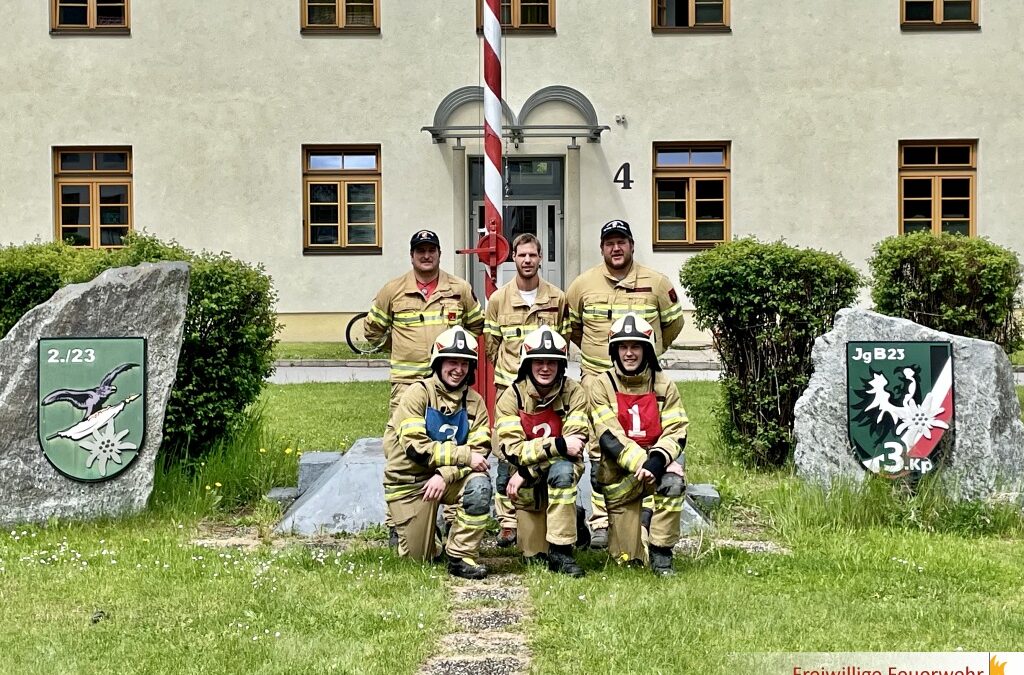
(493,188)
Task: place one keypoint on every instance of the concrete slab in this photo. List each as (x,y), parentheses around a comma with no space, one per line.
(285,496)
(704,495)
(312,465)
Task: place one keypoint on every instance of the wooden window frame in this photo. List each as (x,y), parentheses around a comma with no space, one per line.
(692,174)
(937,22)
(340,28)
(693,27)
(516,25)
(91,27)
(342,178)
(94,179)
(936,173)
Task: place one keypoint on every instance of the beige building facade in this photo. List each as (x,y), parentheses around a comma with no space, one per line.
(315,136)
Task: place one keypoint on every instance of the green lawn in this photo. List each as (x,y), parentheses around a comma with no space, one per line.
(319,350)
(866,571)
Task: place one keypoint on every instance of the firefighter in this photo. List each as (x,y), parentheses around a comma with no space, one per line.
(640,427)
(542,428)
(517,308)
(605,293)
(413,309)
(436,444)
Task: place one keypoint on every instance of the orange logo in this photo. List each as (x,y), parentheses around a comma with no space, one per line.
(996,668)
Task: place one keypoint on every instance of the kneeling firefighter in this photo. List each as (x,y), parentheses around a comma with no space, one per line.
(437,443)
(640,426)
(542,430)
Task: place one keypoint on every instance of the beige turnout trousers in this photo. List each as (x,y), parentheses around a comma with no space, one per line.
(625,534)
(415,520)
(546,510)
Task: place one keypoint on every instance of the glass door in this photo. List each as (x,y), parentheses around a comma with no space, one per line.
(537,217)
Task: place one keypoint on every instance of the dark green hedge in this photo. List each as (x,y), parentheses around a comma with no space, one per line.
(764,304)
(962,285)
(229,337)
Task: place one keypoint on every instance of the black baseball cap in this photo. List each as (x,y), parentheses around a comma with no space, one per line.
(617,228)
(424,237)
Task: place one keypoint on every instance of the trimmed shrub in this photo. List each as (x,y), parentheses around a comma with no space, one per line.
(228,342)
(764,304)
(962,285)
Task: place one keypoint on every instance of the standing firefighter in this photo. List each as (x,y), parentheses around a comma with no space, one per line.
(604,294)
(412,310)
(542,429)
(640,426)
(522,305)
(437,443)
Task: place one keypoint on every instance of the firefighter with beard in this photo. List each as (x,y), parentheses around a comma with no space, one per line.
(436,445)
(542,430)
(640,427)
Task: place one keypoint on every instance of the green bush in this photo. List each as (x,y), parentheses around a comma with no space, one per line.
(961,285)
(228,342)
(764,304)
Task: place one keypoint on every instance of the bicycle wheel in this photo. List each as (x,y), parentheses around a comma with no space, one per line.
(355,336)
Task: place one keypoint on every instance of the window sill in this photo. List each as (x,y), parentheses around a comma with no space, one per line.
(339,31)
(689,29)
(528,30)
(91,31)
(324,250)
(698,246)
(925,27)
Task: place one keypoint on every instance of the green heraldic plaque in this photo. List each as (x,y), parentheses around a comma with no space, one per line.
(900,401)
(92,404)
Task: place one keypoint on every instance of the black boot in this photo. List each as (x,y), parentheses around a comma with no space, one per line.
(661,560)
(582,531)
(560,560)
(645,518)
(466,568)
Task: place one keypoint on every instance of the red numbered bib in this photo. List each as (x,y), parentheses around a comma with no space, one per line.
(544,424)
(640,417)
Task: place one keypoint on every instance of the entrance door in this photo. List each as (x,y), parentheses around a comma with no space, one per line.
(542,218)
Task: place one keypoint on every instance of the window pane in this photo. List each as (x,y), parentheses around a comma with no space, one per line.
(360,161)
(323,214)
(74,194)
(322,15)
(111,161)
(324,193)
(113,236)
(710,210)
(506,13)
(956,10)
(74,215)
(533,14)
(76,236)
(673,158)
(956,208)
(110,13)
(909,227)
(113,215)
(359,14)
(362,234)
(364,193)
(672,189)
(76,161)
(73,14)
(323,235)
(918,187)
(671,210)
(673,13)
(325,161)
(113,194)
(956,227)
(709,157)
(708,13)
(710,189)
(672,231)
(917,208)
(956,187)
(920,11)
(710,231)
(362,213)
(956,154)
(919,154)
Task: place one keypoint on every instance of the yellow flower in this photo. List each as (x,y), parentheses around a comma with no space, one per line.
(263,449)
(217,484)
(287,451)
(208,487)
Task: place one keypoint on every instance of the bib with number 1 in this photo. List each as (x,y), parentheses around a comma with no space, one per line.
(640,417)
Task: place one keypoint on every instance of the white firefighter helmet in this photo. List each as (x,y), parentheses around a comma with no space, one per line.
(633,328)
(454,343)
(544,343)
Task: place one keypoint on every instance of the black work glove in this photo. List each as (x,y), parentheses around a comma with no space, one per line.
(656,465)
